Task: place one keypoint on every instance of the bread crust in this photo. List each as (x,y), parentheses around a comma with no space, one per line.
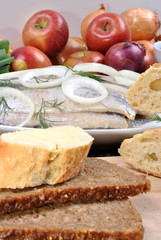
(73,191)
(144,94)
(28,165)
(142,151)
(107,222)
(35,234)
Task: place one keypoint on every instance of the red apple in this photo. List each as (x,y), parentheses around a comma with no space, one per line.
(73,45)
(46,30)
(83,57)
(28,57)
(105,30)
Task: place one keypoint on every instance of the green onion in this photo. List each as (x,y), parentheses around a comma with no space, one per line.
(4,44)
(4,69)
(6,61)
(3,54)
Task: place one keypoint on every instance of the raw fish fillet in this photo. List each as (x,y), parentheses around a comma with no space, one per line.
(111,113)
(88,120)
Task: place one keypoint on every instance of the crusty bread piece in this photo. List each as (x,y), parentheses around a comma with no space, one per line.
(113,220)
(143,151)
(99,180)
(33,157)
(144,94)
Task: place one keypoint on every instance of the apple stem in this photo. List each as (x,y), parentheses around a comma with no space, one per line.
(41,24)
(106,26)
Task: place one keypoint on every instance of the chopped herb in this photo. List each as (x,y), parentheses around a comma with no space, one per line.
(86,74)
(6,83)
(41,114)
(45,79)
(157,117)
(4,107)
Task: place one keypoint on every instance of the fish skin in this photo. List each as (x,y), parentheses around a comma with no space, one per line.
(85,120)
(114,103)
(111,113)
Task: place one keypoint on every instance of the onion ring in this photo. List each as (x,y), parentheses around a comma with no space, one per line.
(59,71)
(96,67)
(74,83)
(12,92)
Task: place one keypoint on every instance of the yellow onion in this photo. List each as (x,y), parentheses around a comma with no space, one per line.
(88,19)
(143,23)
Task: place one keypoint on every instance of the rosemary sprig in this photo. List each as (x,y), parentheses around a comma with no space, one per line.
(86,74)
(41,114)
(6,83)
(4,107)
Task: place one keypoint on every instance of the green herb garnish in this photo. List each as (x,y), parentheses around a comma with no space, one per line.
(156,118)
(86,74)
(4,107)
(6,83)
(41,114)
(40,80)
(5,57)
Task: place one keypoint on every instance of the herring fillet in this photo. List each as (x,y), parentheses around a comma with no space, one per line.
(85,120)
(111,113)
(115,101)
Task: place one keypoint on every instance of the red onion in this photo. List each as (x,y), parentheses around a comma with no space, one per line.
(126,55)
(149,60)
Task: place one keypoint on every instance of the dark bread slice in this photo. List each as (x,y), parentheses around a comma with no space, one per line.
(113,219)
(99,180)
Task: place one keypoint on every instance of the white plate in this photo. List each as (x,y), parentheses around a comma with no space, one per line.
(101,136)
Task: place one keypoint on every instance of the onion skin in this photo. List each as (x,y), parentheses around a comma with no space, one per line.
(88,19)
(142,22)
(148,45)
(149,60)
(126,55)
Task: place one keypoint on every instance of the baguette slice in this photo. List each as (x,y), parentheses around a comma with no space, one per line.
(34,157)
(143,151)
(113,220)
(99,180)
(144,94)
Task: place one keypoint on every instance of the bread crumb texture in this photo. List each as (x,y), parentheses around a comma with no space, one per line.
(116,219)
(34,157)
(142,151)
(145,93)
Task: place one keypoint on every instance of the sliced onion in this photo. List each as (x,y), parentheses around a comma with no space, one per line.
(18,74)
(129,74)
(61,72)
(12,92)
(123,81)
(96,67)
(70,85)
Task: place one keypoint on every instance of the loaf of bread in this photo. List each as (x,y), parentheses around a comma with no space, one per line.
(43,156)
(143,151)
(116,219)
(99,180)
(144,94)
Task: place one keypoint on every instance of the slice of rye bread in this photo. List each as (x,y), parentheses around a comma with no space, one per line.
(113,220)
(99,180)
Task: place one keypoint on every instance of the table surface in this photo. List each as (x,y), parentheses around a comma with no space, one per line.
(147,204)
